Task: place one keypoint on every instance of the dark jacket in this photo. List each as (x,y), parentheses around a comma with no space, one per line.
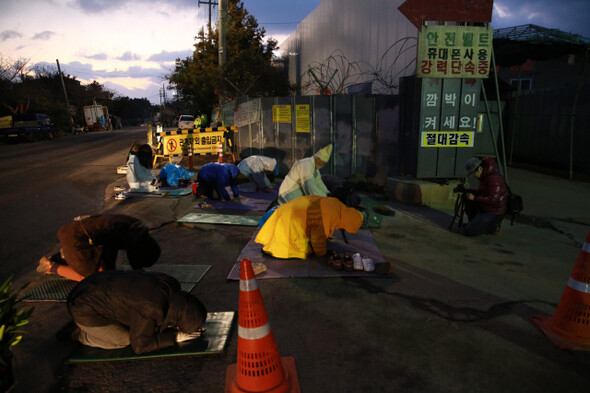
(492,194)
(151,305)
(94,242)
(220,175)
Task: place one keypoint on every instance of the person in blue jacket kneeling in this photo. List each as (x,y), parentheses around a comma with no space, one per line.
(218,180)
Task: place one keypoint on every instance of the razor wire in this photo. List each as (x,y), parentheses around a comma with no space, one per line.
(338,73)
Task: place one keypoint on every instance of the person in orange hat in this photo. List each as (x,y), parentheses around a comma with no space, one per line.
(302,226)
(304,178)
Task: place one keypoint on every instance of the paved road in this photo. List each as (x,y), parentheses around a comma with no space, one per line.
(455,316)
(47,183)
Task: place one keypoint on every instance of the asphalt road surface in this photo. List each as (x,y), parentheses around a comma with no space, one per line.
(47,183)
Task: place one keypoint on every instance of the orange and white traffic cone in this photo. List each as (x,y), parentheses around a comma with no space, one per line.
(569,327)
(220,151)
(259,366)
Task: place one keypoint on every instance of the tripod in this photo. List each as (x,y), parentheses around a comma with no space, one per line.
(459,210)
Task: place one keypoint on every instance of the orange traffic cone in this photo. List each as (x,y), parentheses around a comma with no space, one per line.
(259,367)
(570,326)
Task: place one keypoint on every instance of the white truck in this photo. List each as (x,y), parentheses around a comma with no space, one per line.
(97,117)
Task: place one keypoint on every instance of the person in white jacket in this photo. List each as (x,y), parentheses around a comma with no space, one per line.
(304,178)
(139,172)
(255,168)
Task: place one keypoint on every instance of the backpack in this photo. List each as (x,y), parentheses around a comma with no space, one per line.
(514,207)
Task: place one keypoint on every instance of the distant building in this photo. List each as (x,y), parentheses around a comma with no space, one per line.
(545,74)
(531,57)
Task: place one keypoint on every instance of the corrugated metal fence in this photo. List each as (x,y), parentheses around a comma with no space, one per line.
(541,128)
(363,128)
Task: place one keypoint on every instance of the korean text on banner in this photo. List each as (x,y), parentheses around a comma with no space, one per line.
(454,52)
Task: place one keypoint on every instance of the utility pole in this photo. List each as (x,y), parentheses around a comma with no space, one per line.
(222,43)
(63,85)
(210,3)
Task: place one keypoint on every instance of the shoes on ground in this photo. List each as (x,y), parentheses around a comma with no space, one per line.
(368,264)
(335,260)
(357,261)
(347,262)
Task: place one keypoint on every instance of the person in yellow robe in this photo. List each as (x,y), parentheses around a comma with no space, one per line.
(302,226)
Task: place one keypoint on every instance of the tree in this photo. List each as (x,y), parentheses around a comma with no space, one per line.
(248,69)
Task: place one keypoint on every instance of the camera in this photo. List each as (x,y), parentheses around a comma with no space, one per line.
(459,188)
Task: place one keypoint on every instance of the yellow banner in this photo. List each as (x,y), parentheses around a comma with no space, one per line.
(281,113)
(447,139)
(454,52)
(5,122)
(200,143)
(302,118)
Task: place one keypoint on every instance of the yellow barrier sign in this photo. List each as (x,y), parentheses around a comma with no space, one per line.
(5,122)
(201,143)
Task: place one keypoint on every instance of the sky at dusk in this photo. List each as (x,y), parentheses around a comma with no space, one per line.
(129,46)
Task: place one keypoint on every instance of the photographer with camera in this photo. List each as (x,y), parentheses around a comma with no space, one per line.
(485,206)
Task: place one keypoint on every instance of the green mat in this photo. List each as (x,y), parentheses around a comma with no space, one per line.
(227,219)
(160,193)
(213,341)
(56,288)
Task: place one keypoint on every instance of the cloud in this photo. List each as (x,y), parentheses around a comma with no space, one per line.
(129,56)
(44,35)
(98,56)
(171,56)
(545,13)
(9,34)
(90,6)
(501,10)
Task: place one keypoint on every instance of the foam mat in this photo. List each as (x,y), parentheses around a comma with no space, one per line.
(56,288)
(313,266)
(212,341)
(258,201)
(225,219)
(161,193)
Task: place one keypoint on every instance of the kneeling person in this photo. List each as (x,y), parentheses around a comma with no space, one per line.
(91,243)
(218,180)
(302,226)
(146,310)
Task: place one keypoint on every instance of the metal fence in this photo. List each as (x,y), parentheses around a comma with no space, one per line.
(544,128)
(363,128)
(375,135)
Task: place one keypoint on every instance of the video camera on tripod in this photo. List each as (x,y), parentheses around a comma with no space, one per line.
(459,205)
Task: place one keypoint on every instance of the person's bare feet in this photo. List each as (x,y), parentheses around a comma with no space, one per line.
(44,266)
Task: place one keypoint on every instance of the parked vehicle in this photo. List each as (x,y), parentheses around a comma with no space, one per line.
(186,122)
(29,126)
(97,117)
